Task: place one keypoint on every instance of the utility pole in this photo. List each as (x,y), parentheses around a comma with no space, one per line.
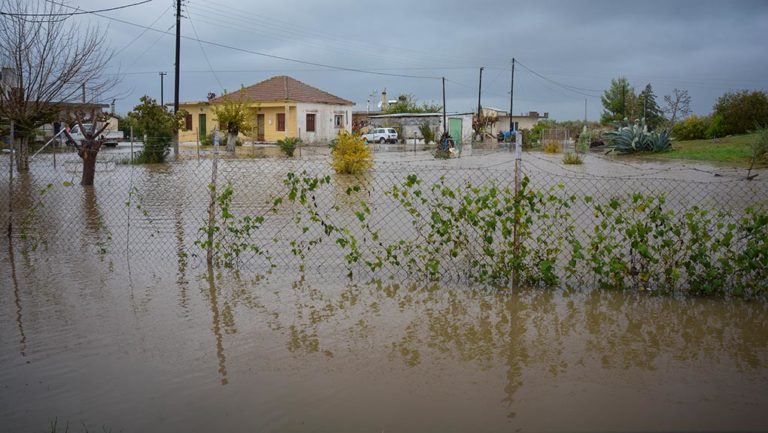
(445,126)
(176,81)
(585,111)
(178,48)
(512,95)
(479,91)
(162,92)
(83,87)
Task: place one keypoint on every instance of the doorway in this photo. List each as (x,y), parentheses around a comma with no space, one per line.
(259,127)
(201,132)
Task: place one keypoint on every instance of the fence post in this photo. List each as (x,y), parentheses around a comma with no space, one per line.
(518,201)
(212,203)
(11,156)
(131,144)
(54,155)
(197,142)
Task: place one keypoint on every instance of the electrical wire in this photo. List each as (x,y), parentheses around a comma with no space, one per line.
(205,56)
(257,53)
(143,31)
(69,14)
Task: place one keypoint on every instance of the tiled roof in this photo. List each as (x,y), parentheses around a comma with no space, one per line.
(283,88)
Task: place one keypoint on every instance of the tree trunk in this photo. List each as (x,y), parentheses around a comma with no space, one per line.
(231,140)
(22,154)
(89,166)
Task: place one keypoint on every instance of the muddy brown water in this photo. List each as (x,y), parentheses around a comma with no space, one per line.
(158,349)
(100,329)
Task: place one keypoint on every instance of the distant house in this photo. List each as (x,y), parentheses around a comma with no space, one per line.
(523,121)
(281,107)
(407,124)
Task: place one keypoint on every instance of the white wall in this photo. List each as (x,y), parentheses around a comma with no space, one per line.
(324,125)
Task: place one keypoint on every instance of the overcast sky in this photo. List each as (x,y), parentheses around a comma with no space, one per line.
(705,47)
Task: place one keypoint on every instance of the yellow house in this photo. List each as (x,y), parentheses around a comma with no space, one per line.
(281,107)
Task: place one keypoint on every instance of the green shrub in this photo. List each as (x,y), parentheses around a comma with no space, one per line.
(691,128)
(427,133)
(742,110)
(552,146)
(350,155)
(572,158)
(637,138)
(288,145)
(585,138)
(716,127)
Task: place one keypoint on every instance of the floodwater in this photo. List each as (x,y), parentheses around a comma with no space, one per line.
(107,323)
(160,347)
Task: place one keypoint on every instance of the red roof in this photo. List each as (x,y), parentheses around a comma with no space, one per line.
(283,88)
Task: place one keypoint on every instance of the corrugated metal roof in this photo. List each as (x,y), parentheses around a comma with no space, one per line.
(379,116)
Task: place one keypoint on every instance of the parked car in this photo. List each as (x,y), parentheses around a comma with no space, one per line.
(111,138)
(381,135)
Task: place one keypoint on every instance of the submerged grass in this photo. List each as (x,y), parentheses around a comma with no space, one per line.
(733,150)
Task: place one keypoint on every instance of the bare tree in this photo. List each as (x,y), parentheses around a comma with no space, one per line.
(51,59)
(678,105)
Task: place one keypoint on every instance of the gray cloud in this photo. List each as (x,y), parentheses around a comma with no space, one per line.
(706,47)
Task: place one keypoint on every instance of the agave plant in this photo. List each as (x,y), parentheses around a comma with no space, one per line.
(636,138)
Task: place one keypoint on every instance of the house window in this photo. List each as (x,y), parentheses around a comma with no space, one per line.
(310,122)
(281,122)
(515,126)
(338,120)
(188,122)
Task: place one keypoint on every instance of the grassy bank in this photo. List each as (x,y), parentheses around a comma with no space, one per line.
(733,150)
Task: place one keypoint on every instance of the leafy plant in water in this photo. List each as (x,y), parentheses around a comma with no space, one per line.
(572,158)
(427,133)
(636,138)
(27,232)
(231,235)
(350,155)
(288,145)
(552,146)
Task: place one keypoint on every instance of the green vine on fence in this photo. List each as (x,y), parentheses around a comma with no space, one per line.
(495,235)
(230,236)
(27,230)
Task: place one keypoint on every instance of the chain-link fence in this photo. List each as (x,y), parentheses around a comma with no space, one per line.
(476,218)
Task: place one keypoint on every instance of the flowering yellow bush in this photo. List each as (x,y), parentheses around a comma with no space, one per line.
(350,155)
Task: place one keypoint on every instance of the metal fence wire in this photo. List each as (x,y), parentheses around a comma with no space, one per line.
(411,215)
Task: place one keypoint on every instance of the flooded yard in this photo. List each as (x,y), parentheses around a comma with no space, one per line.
(159,349)
(111,319)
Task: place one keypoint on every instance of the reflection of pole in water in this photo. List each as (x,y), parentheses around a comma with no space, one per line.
(181,255)
(217,327)
(17,300)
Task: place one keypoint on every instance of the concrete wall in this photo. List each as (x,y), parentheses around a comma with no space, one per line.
(325,127)
(523,122)
(295,121)
(408,126)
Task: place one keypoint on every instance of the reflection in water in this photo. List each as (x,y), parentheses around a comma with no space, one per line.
(93,220)
(216,326)
(529,332)
(17,299)
(325,351)
(181,255)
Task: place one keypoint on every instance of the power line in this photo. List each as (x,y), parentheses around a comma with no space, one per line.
(189,17)
(567,87)
(69,14)
(257,53)
(143,32)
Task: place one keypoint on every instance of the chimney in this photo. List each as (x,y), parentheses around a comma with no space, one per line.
(384,100)
(546,115)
